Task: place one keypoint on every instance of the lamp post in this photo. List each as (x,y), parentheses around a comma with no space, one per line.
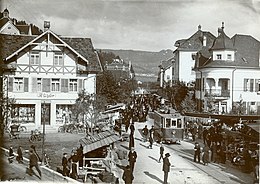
(43,131)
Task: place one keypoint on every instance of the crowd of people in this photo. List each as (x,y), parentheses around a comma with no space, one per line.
(224,143)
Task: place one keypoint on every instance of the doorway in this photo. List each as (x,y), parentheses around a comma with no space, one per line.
(45,113)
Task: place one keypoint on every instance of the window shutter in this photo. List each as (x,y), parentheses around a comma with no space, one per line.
(257,81)
(10,84)
(26,85)
(46,85)
(245,84)
(34,85)
(80,85)
(64,85)
(251,85)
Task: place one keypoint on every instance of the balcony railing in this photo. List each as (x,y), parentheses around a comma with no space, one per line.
(217,93)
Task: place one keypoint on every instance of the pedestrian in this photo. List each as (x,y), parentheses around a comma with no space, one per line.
(132,128)
(65,169)
(131,141)
(74,160)
(35,152)
(205,157)
(196,152)
(161,152)
(145,133)
(11,154)
(151,143)
(128,175)
(19,156)
(151,132)
(33,162)
(166,167)
(132,156)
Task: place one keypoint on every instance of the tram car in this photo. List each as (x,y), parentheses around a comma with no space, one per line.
(169,126)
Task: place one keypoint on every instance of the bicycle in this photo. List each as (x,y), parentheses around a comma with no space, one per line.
(36,135)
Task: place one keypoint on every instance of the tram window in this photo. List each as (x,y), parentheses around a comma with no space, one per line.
(174,123)
(179,123)
(168,123)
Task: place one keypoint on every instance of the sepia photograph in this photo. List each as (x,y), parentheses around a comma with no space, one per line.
(130,91)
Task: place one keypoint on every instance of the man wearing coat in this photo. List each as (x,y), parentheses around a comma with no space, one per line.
(132,159)
(33,162)
(128,175)
(166,167)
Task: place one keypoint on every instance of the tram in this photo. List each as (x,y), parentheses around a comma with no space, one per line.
(169,126)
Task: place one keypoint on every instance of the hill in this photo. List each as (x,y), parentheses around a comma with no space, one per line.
(145,63)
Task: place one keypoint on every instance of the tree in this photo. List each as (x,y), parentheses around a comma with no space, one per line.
(89,107)
(188,104)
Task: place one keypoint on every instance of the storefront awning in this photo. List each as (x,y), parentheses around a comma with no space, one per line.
(93,142)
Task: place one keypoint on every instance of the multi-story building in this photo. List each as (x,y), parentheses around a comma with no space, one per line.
(228,75)
(166,72)
(120,70)
(44,75)
(12,26)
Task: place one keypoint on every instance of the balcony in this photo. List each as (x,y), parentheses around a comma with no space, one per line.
(215,93)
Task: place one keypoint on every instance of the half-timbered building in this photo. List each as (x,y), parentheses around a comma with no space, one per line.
(44,74)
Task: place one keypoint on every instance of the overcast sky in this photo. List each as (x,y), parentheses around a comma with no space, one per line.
(149,25)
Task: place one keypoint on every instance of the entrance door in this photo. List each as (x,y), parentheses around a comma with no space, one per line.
(45,113)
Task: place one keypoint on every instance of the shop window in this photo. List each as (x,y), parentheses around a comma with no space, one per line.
(64,114)
(23,113)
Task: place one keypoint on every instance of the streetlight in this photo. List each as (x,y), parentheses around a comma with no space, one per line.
(43,131)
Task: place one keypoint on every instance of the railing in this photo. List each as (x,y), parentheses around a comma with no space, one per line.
(217,93)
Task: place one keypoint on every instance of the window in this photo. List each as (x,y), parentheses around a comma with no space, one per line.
(55,84)
(257,85)
(73,85)
(58,59)
(179,123)
(35,58)
(219,56)
(168,123)
(23,113)
(39,84)
(174,123)
(249,85)
(229,57)
(18,84)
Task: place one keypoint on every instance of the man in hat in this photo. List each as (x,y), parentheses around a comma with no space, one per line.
(65,170)
(196,152)
(33,162)
(166,167)
(128,175)
(132,156)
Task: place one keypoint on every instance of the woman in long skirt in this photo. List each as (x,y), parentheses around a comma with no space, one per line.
(205,157)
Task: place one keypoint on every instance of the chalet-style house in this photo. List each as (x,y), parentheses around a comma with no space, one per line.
(12,26)
(44,74)
(166,72)
(120,70)
(228,75)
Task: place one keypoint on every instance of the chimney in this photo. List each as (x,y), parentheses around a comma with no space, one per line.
(46,25)
(199,27)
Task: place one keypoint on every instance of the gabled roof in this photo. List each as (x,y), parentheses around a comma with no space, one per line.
(82,47)
(195,42)
(24,29)
(167,63)
(3,21)
(222,42)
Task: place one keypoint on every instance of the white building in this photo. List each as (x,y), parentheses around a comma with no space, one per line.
(48,71)
(228,75)
(166,72)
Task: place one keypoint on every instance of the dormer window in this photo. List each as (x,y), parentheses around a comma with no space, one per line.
(219,57)
(58,59)
(35,58)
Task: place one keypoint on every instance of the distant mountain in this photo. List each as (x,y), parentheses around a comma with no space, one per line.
(145,63)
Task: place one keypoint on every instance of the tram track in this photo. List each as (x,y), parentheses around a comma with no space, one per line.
(209,170)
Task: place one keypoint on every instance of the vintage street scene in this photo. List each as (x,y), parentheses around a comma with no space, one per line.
(130,91)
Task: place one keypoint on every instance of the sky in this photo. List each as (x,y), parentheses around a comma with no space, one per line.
(148,25)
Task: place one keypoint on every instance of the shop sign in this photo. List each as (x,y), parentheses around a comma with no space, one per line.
(46,95)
